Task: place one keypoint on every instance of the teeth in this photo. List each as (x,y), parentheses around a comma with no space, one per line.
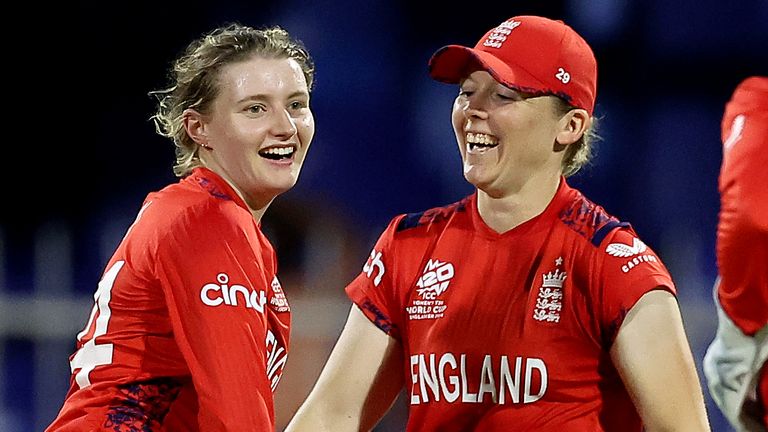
(279,151)
(481,139)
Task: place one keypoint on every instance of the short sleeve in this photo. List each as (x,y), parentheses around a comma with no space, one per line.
(373,290)
(629,270)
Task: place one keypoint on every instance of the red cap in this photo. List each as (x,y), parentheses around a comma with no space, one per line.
(529,53)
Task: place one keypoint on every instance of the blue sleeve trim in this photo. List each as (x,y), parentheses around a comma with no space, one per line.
(411,220)
(601,233)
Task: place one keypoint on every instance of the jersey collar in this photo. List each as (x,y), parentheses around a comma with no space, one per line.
(215,185)
(550,213)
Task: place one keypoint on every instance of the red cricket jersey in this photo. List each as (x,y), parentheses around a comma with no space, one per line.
(190,325)
(510,331)
(742,232)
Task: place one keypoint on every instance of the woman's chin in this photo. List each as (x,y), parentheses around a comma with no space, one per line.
(476,178)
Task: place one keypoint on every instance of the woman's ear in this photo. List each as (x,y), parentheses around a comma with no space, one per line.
(573,125)
(194,124)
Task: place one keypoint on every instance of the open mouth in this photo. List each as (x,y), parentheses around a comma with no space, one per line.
(278,153)
(479,142)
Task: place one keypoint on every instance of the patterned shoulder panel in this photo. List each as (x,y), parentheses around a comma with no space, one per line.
(212,188)
(589,220)
(142,406)
(434,215)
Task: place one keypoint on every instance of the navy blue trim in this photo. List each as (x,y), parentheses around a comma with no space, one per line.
(142,406)
(411,220)
(379,318)
(434,215)
(604,230)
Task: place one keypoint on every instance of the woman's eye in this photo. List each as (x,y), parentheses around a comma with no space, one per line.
(510,96)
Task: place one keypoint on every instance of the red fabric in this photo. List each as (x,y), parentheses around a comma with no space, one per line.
(742,233)
(514,328)
(529,53)
(192,316)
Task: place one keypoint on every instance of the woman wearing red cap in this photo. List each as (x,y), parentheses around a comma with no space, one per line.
(524,306)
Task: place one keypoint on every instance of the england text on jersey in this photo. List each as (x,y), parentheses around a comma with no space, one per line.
(502,379)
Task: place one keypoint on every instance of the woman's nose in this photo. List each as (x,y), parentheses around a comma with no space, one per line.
(475,109)
(284,125)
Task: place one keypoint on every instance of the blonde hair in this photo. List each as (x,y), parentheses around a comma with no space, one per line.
(578,154)
(194,79)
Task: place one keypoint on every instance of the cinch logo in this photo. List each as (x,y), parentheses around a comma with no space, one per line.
(374,261)
(215,294)
(437,275)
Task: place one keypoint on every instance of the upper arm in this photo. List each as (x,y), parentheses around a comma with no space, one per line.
(653,357)
(359,382)
(215,291)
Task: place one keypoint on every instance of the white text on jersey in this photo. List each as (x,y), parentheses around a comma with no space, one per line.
(215,294)
(276,358)
(437,275)
(433,379)
(374,262)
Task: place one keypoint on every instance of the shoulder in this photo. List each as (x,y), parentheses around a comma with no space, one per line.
(434,217)
(184,210)
(409,230)
(624,250)
(588,220)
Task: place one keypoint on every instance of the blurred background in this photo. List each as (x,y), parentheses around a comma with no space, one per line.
(80,152)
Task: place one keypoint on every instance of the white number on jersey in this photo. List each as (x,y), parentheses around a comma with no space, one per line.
(92,354)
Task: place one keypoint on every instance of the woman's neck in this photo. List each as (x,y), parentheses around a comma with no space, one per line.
(503,212)
(256,204)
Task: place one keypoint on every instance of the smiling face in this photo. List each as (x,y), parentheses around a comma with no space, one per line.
(506,138)
(259,127)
